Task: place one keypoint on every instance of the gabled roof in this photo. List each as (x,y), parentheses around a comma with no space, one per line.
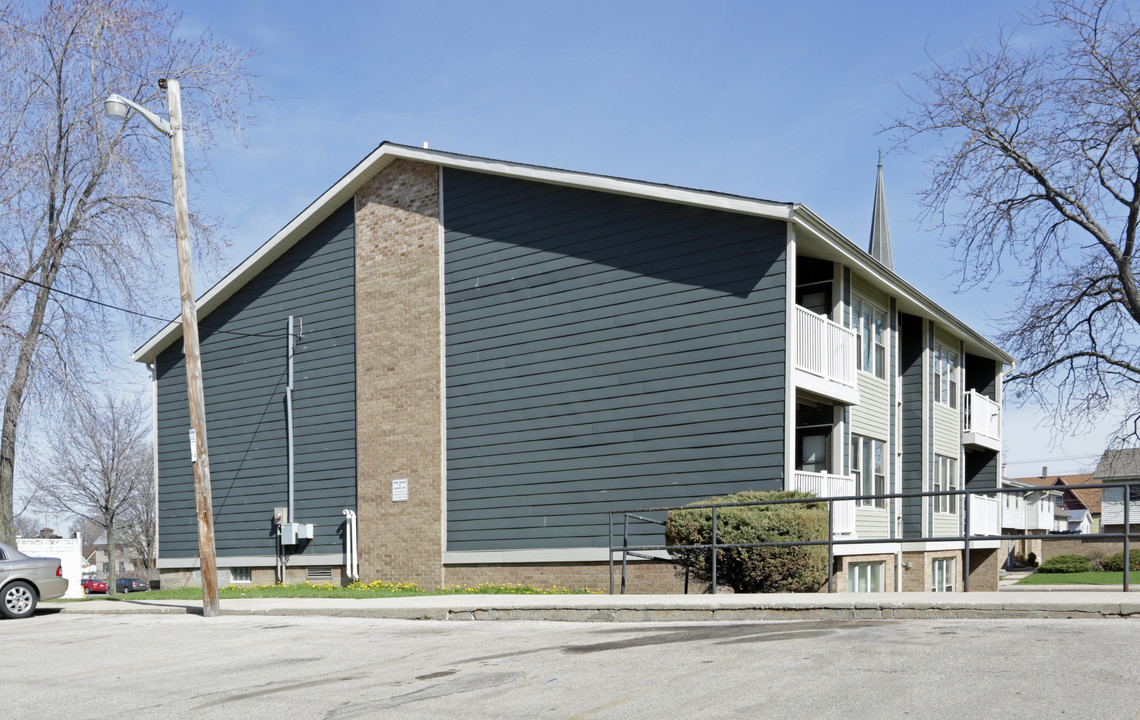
(1089,497)
(1118,465)
(345,189)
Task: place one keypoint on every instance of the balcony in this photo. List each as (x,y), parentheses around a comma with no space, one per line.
(825,357)
(985,515)
(981,421)
(824,485)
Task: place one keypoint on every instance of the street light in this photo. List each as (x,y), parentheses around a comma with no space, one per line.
(115,106)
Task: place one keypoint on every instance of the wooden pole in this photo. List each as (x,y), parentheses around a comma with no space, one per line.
(197,401)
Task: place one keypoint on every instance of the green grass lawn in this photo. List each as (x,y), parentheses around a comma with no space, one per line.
(327,590)
(1081,578)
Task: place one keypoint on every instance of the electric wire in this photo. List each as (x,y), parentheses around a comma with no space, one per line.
(133,312)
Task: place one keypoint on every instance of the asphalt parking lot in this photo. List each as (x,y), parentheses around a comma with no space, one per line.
(328,667)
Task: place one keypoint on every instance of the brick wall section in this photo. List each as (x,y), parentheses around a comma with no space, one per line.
(984,566)
(919,577)
(641,578)
(1092,549)
(398,375)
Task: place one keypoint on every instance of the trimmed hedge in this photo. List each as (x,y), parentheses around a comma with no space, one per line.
(1115,562)
(1066,564)
(754,570)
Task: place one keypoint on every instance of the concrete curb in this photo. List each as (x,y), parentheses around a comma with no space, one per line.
(655,608)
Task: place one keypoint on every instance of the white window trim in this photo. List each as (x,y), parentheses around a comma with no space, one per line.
(945,479)
(857,326)
(943,353)
(948,570)
(873,573)
(866,446)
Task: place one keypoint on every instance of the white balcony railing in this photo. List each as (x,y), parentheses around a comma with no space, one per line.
(824,348)
(985,515)
(981,422)
(824,485)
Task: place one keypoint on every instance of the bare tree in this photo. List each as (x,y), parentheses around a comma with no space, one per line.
(1041,185)
(84,200)
(99,465)
(140,525)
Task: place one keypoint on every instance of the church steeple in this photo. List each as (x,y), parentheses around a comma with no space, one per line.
(880,248)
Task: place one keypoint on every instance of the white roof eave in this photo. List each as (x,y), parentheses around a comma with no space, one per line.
(385,154)
(861,260)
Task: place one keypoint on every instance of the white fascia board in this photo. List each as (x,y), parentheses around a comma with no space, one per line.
(383,155)
(857,258)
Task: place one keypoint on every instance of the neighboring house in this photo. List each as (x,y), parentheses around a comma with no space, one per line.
(1078,507)
(1119,466)
(127,562)
(1028,513)
(490,356)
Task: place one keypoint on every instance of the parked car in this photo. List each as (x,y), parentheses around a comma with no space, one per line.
(94,585)
(128,585)
(24,581)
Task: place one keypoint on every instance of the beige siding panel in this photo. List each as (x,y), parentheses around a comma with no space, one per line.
(945,525)
(947,431)
(871,417)
(943,337)
(872,523)
(864,289)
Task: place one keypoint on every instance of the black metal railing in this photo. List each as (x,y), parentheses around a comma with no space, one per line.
(641,551)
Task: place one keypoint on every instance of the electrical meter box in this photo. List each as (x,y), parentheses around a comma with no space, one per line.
(292,533)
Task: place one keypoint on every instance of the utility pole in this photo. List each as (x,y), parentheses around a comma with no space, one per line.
(195,394)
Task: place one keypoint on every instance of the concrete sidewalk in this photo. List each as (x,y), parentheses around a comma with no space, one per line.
(637,608)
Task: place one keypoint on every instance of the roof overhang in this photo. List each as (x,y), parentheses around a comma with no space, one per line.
(387,153)
(345,189)
(910,299)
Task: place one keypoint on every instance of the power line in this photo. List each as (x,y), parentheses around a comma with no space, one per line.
(131,312)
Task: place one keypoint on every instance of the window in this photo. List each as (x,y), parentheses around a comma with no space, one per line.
(868,466)
(241,574)
(945,480)
(865,577)
(945,375)
(870,325)
(942,573)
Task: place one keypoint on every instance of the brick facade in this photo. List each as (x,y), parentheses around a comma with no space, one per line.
(398,383)
(641,577)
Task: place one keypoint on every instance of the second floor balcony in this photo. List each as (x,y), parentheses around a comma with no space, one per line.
(825,357)
(981,421)
(826,485)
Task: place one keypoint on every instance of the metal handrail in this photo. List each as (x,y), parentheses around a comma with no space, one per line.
(639,550)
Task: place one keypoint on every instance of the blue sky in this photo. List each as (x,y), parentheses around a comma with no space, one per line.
(782,101)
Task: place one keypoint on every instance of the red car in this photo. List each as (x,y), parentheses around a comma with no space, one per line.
(92,585)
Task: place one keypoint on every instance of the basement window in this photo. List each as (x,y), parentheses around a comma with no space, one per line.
(241,574)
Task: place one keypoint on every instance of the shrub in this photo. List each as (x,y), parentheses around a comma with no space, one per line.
(1065,564)
(1031,559)
(1115,562)
(754,570)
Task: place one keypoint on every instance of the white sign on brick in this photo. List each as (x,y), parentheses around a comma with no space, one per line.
(400,490)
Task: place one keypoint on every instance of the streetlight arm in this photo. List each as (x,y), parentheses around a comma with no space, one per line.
(115,106)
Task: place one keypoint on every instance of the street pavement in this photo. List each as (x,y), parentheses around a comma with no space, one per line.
(65,664)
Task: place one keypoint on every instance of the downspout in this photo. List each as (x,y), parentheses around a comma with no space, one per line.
(289,418)
(351,564)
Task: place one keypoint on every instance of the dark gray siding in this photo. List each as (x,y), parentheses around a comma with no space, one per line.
(603,352)
(911,343)
(244,376)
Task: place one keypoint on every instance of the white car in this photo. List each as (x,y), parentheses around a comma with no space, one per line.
(24,581)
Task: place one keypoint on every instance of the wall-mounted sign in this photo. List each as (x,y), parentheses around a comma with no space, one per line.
(400,490)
